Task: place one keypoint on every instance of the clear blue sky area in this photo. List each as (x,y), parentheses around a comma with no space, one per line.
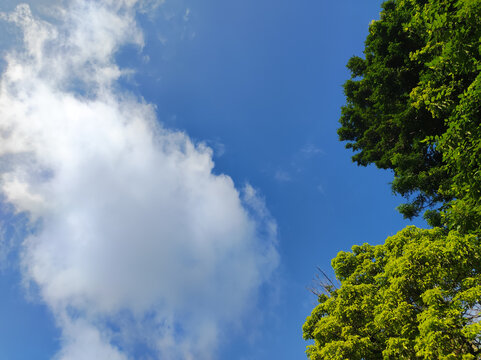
(260,82)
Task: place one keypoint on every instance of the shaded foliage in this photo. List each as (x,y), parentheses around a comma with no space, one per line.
(413,99)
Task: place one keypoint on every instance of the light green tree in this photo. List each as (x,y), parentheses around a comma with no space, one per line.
(415,297)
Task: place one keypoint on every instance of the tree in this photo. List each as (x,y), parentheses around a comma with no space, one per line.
(413,105)
(415,297)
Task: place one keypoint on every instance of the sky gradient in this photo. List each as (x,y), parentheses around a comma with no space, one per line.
(171,175)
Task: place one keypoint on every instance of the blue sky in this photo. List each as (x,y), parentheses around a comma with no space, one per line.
(216,219)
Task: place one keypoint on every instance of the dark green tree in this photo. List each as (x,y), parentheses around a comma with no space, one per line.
(413,99)
(415,297)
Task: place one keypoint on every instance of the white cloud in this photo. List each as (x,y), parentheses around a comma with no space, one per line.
(310,150)
(219,148)
(187,14)
(282,176)
(137,239)
(84,341)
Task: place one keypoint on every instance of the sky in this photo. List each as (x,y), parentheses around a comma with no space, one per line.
(171,177)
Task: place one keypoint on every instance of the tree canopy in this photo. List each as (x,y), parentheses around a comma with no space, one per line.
(412,101)
(413,106)
(415,297)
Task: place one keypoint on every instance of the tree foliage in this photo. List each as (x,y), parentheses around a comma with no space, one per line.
(413,106)
(415,297)
(413,102)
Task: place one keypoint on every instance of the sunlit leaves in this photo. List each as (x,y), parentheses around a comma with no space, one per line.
(415,297)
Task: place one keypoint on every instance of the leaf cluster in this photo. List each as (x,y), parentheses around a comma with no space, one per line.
(412,102)
(415,297)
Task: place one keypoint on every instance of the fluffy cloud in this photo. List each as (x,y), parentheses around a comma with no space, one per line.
(135,240)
